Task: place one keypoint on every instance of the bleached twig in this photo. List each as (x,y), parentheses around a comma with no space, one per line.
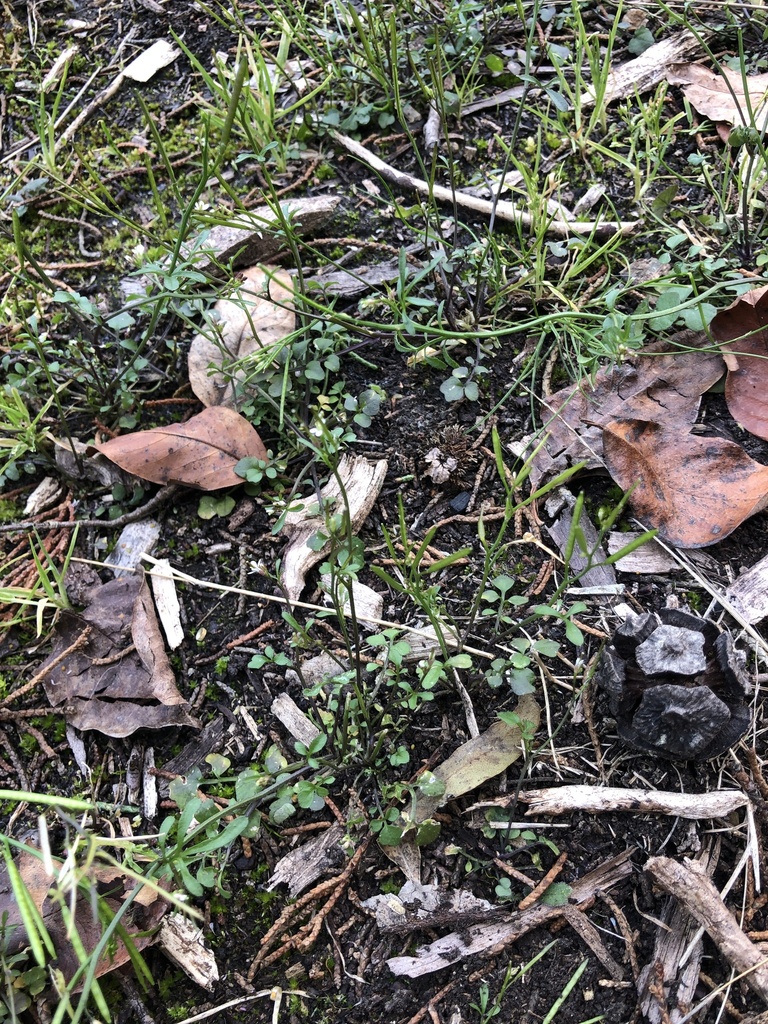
(501,210)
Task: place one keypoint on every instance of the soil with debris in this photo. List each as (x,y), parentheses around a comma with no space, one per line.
(599,953)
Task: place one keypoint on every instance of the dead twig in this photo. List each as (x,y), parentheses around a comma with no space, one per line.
(597,799)
(538,890)
(689,884)
(500,210)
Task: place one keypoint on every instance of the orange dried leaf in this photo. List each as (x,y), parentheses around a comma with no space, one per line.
(695,490)
(202,452)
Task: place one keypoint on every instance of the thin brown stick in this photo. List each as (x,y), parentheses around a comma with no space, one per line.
(545,882)
(81,641)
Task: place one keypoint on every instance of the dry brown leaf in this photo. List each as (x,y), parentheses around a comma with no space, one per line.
(722,97)
(742,330)
(120,680)
(478,760)
(202,452)
(257,315)
(653,385)
(113,886)
(694,490)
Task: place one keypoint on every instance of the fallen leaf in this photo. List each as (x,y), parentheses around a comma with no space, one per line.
(478,760)
(113,886)
(257,316)
(742,330)
(723,97)
(360,482)
(120,679)
(200,453)
(695,490)
(655,385)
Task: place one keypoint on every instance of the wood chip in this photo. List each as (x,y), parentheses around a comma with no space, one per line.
(483,938)
(749,592)
(167,602)
(642,73)
(287,711)
(182,941)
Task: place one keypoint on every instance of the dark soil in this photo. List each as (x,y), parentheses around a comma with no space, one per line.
(344,973)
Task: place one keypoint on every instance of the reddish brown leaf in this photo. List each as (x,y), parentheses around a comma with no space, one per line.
(742,329)
(199,453)
(695,490)
(654,384)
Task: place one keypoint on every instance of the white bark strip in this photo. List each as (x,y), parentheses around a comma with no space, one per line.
(501,210)
(597,799)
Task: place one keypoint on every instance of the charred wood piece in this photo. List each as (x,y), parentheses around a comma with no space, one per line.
(676,685)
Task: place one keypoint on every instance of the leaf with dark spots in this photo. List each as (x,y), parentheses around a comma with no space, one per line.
(202,452)
(695,490)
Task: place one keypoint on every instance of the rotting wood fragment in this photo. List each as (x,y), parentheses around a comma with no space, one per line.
(689,884)
(483,938)
(666,968)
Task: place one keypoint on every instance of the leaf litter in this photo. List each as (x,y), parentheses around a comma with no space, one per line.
(113,885)
(637,421)
(202,452)
(631,428)
(108,669)
(254,319)
(728,97)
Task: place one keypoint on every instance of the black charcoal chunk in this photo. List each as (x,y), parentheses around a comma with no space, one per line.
(675,617)
(680,720)
(633,631)
(733,665)
(611,676)
(672,649)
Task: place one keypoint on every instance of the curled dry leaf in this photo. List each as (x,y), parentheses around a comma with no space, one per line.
(742,330)
(695,490)
(202,452)
(723,97)
(257,315)
(361,482)
(119,679)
